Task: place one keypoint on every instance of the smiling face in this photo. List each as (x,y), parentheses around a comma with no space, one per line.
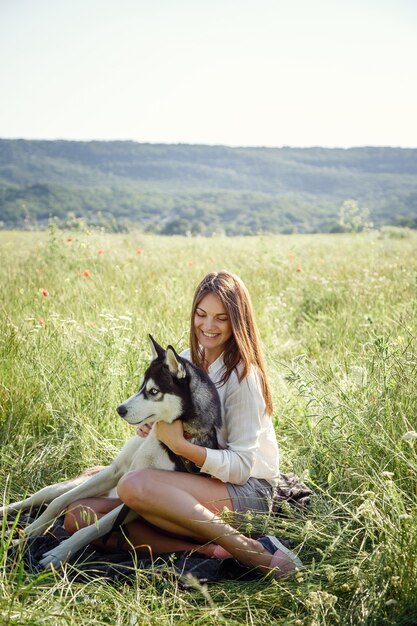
(212,326)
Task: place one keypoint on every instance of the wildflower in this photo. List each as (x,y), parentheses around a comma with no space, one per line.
(100,251)
(410,436)
(291,257)
(320,598)
(299,269)
(308,530)
(41,321)
(286,507)
(387,475)
(69,239)
(139,250)
(45,292)
(366,510)
(190,263)
(86,273)
(226,515)
(330,572)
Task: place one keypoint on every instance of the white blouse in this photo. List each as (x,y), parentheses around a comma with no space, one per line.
(247,440)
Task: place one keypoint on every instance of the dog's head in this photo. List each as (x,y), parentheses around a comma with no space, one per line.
(162,395)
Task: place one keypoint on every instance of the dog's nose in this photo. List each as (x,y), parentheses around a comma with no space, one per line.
(122,410)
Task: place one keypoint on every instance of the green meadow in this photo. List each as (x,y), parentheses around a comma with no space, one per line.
(338,320)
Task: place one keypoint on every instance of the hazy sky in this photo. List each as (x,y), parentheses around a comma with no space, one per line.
(236,72)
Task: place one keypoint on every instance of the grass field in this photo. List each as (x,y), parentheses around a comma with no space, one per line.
(337,316)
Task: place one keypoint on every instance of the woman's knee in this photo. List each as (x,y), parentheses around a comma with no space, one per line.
(137,489)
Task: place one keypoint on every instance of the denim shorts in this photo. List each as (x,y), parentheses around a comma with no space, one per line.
(255,495)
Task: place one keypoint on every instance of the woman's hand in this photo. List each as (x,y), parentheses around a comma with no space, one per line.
(172,435)
(144,429)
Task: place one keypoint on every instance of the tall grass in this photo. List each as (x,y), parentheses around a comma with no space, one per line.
(337,315)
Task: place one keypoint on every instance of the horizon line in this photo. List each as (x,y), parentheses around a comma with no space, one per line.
(210,145)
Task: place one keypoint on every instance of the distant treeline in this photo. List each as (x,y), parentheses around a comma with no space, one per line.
(178,189)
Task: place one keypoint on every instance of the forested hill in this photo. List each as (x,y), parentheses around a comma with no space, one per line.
(179,188)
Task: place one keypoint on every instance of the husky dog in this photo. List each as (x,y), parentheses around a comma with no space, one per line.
(172,388)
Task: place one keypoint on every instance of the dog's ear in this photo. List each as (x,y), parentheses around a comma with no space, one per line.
(156,350)
(175,366)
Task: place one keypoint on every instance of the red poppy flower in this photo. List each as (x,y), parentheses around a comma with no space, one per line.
(299,269)
(86,273)
(190,263)
(45,292)
(139,250)
(100,251)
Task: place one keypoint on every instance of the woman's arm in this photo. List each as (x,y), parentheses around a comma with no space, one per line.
(243,421)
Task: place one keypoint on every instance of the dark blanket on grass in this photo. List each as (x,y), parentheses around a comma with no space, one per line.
(93,562)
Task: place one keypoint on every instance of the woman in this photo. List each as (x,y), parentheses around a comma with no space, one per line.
(180,511)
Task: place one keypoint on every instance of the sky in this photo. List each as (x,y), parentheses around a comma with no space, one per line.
(332,73)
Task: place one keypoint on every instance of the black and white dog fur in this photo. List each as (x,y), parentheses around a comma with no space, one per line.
(172,388)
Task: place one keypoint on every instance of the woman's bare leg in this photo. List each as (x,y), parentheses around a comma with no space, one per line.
(189,505)
(141,536)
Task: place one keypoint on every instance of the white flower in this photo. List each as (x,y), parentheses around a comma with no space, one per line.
(410,436)
(125,318)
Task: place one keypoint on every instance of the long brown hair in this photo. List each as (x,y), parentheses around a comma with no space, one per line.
(244,345)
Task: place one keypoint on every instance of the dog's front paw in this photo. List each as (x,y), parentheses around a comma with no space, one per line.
(51,561)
